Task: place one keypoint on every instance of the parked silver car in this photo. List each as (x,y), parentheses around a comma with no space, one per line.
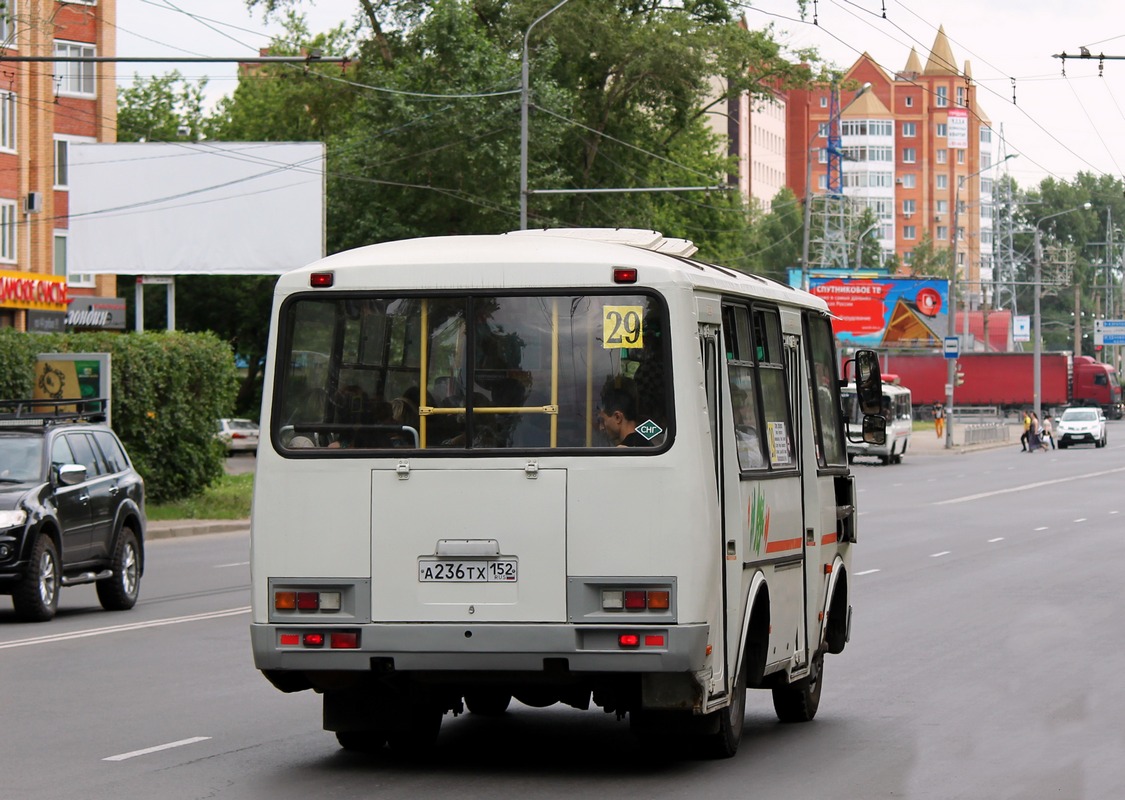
(1081,425)
(238,435)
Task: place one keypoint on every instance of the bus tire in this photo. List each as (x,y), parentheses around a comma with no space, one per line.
(415,731)
(488,702)
(798,701)
(361,741)
(724,742)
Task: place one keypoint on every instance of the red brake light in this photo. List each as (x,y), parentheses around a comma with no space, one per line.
(634,599)
(624,275)
(654,640)
(308,601)
(314,640)
(321,280)
(628,640)
(291,639)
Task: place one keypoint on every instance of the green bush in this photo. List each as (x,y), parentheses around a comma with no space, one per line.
(168,390)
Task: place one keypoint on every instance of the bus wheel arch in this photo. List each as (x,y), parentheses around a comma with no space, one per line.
(838,621)
(757,638)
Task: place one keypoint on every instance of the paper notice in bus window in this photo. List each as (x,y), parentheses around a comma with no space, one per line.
(622,327)
(779,443)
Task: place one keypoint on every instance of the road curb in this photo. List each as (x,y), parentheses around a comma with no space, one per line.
(193,527)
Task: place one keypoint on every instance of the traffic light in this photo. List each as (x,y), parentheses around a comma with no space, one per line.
(958,376)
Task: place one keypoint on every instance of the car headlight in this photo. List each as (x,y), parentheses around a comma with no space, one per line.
(10,519)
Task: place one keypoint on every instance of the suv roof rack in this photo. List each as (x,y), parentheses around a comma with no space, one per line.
(48,412)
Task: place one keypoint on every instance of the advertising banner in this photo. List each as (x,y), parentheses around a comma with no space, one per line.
(886,313)
(958,128)
(73,376)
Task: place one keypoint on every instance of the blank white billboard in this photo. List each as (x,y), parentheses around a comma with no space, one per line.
(195,208)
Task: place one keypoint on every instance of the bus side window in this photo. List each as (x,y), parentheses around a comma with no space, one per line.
(823,385)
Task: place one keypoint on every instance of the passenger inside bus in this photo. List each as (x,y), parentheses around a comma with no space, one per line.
(746,430)
(618,414)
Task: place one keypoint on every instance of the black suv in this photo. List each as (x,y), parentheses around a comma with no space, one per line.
(71,507)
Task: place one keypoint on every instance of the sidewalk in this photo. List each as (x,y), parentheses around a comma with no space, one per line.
(193,527)
(926,442)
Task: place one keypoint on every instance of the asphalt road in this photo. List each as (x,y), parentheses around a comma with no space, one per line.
(984,586)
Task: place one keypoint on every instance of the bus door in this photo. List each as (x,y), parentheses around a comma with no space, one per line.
(731,569)
(765,509)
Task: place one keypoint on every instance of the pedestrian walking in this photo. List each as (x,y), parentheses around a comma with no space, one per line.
(1033,442)
(939,419)
(1026,430)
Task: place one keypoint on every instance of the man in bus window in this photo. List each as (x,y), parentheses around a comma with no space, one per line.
(618,414)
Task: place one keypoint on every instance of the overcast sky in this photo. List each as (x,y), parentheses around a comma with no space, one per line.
(1059,125)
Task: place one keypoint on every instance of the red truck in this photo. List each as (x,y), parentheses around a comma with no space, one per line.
(1006,380)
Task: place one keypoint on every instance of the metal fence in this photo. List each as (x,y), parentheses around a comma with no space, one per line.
(984,432)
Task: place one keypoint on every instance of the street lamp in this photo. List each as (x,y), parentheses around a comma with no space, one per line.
(1037,349)
(525,92)
(951,314)
(808,179)
(859,244)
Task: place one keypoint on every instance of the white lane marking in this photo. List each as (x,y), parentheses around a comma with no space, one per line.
(1027,486)
(867,572)
(132,626)
(997,539)
(233,564)
(939,555)
(1112,512)
(1080,519)
(1040,528)
(157,749)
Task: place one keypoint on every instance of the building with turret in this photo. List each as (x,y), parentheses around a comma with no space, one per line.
(917,150)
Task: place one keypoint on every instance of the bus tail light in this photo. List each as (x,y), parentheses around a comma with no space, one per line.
(658,600)
(307,601)
(629,640)
(635,599)
(322,280)
(624,275)
(344,640)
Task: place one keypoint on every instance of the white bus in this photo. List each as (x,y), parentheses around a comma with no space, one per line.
(559,466)
(898,412)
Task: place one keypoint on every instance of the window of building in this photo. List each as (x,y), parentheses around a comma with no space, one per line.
(824,102)
(941,181)
(960,156)
(909,155)
(60,253)
(908,180)
(62,163)
(941,156)
(942,128)
(961,95)
(941,207)
(8,121)
(75,77)
(960,233)
(7,15)
(908,206)
(942,233)
(909,102)
(822,130)
(985,135)
(942,93)
(822,182)
(822,155)
(909,130)
(985,160)
(986,237)
(909,232)
(8,230)
(986,210)
(986,185)
(907,257)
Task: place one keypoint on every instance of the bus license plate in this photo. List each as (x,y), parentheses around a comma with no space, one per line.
(492,570)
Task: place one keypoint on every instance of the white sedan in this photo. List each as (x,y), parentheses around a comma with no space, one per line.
(1081,426)
(238,435)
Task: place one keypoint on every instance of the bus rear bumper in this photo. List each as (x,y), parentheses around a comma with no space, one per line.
(492,647)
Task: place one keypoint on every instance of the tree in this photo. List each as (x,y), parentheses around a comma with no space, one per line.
(164,108)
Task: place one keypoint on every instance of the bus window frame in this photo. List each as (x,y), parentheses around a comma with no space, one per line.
(335,366)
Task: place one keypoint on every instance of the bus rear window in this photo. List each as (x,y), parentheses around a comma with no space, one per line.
(477,372)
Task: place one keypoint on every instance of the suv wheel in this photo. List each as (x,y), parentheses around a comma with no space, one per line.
(119,592)
(36,597)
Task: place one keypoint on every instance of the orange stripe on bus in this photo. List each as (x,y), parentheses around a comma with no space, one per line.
(783,544)
(829,538)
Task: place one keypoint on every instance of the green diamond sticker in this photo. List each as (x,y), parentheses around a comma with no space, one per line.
(649,429)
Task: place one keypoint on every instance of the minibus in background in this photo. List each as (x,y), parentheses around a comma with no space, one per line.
(897,410)
(559,466)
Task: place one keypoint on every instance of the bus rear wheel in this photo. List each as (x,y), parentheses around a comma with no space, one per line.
(798,701)
(724,742)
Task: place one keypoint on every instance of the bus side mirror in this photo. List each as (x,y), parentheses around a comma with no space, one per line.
(874,429)
(869,382)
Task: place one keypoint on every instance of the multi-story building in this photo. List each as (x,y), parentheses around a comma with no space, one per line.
(46,106)
(914,143)
(754,131)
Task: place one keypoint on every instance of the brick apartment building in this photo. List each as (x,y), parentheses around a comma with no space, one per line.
(908,141)
(44,108)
